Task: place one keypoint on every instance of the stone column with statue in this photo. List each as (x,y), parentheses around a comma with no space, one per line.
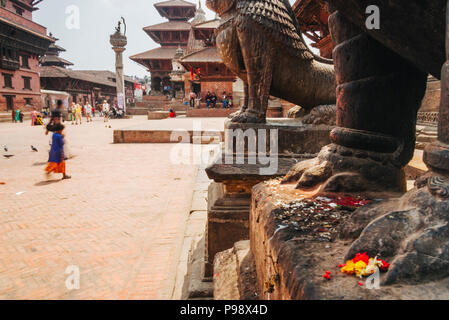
(118,41)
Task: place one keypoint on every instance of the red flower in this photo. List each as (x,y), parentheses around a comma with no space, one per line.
(361,257)
(327,275)
(341,266)
(385,265)
(360,283)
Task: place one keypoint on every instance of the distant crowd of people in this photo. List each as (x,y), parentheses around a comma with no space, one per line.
(211,99)
(74,113)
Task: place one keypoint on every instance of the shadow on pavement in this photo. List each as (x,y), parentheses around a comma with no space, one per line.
(47,182)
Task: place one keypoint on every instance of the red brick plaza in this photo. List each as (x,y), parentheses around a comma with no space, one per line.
(120,219)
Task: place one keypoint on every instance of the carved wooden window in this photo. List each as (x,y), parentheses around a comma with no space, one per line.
(26,83)
(9,58)
(19,11)
(29,101)
(25,62)
(7,78)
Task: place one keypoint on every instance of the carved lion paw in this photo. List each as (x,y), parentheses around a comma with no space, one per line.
(243,116)
(340,169)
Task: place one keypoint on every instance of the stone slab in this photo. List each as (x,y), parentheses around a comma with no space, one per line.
(209,113)
(158,115)
(294,139)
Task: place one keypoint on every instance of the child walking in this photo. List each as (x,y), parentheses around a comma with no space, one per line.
(56,161)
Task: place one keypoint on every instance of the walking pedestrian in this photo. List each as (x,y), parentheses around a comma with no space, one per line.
(33,117)
(56,162)
(106,111)
(88,111)
(78,114)
(73,113)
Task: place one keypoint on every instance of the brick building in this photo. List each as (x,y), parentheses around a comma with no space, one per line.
(22,43)
(93,86)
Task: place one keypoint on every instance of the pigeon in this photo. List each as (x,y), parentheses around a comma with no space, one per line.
(7,156)
(5,148)
(33,148)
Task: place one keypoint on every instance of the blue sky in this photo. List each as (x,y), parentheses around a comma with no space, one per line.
(88,47)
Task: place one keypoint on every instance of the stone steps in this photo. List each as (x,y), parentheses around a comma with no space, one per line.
(6,117)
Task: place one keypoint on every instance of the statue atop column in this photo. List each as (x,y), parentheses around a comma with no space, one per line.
(118,41)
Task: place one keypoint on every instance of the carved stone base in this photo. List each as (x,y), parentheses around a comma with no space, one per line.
(227,222)
(230,193)
(291,254)
(343,169)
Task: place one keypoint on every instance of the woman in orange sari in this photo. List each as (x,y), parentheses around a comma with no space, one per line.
(56,161)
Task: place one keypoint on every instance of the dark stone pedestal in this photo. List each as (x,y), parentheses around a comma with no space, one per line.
(230,194)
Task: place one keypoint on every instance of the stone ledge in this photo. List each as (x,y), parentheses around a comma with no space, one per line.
(165,136)
(158,115)
(294,265)
(207,113)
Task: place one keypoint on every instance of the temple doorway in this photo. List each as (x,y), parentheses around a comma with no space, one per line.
(9,102)
(195,87)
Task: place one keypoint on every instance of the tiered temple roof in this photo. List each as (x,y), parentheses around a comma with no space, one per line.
(176,9)
(52,57)
(170,35)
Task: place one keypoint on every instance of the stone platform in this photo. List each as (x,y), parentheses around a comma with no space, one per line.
(158,115)
(6,116)
(210,112)
(173,130)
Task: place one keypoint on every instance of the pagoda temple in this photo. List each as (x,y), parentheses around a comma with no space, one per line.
(52,57)
(171,35)
(210,74)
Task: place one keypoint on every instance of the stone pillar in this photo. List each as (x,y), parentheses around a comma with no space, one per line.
(118,42)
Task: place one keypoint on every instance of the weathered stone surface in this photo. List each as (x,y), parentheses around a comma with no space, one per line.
(234,273)
(290,263)
(341,169)
(412,233)
(225,276)
(297,112)
(322,115)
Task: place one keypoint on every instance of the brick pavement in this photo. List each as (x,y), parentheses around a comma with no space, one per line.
(120,218)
